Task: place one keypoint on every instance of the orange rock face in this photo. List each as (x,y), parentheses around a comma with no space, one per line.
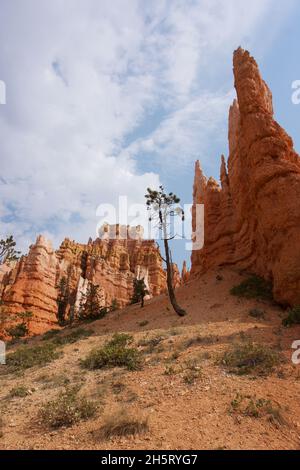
(252,220)
(32,284)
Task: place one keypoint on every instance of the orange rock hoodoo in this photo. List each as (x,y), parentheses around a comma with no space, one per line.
(110,263)
(252,221)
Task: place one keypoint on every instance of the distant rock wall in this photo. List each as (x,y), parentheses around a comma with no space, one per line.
(252,220)
(32,283)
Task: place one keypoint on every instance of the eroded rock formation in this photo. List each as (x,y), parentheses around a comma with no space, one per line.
(112,262)
(185,273)
(252,220)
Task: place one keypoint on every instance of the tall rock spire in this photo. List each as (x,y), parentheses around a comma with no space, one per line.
(200,183)
(254,95)
(223,174)
(185,274)
(253,222)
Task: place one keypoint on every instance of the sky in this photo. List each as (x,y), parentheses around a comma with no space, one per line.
(107,98)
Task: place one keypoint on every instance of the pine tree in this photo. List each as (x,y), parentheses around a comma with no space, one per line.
(8,251)
(63,300)
(90,304)
(139,292)
(20,330)
(164,206)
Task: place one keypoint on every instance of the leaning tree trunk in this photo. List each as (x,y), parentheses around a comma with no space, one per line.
(171,292)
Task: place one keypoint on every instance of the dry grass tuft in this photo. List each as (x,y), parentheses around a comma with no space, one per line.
(122,424)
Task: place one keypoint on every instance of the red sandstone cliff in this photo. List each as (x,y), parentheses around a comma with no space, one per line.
(110,263)
(252,220)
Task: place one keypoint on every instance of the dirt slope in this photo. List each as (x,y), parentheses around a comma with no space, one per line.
(203,414)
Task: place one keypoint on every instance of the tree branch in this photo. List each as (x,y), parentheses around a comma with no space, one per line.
(165,261)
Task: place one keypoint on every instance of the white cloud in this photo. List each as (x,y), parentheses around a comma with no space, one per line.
(84,75)
(187,132)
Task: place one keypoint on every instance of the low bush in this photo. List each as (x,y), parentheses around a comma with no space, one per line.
(18,331)
(120,340)
(73,337)
(115,353)
(26,357)
(257,313)
(67,409)
(19,392)
(50,334)
(254,288)
(293,317)
(257,408)
(250,358)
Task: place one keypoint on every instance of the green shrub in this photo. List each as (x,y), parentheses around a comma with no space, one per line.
(19,392)
(257,313)
(250,358)
(90,304)
(50,334)
(73,337)
(139,292)
(18,331)
(257,408)
(254,288)
(67,409)
(121,339)
(26,357)
(114,353)
(293,317)
(114,305)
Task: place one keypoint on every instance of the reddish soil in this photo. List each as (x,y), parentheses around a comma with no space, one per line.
(180,415)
